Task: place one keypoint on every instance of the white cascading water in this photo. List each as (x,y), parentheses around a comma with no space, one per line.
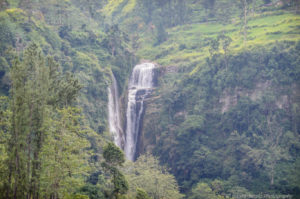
(114,119)
(140,85)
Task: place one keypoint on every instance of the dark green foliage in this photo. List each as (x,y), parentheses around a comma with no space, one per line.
(209,5)
(76,196)
(116,42)
(267,1)
(35,84)
(214,46)
(119,181)
(4,87)
(244,145)
(73,32)
(65,88)
(6,35)
(113,155)
(3,4)
(28,107)
(148,5)
(141,194)
(167,13)
(161,34)
(203,191)
(92,191)
(64,31)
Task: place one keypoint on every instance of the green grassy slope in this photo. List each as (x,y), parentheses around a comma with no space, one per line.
(188,42)
(262,30)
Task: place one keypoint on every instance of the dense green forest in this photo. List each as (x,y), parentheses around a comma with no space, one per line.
(222,122)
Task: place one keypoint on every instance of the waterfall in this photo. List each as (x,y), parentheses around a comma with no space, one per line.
(114,119)
(140,86)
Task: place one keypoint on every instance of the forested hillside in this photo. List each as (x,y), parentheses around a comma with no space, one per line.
(221,117)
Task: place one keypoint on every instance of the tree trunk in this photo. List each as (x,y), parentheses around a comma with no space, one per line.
(18,174)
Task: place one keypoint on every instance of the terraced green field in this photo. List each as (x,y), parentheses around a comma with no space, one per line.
(189,43)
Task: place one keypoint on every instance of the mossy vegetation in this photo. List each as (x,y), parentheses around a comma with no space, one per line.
(111,6)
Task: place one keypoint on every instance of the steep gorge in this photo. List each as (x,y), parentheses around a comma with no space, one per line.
(200,127)
(231,117)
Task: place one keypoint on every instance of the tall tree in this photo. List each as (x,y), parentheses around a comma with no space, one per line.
(37,88)
(161,34)
(148,5)
(225,42)
(180,11)
(63,156)
(4,137)
(203,191)
(146,173)
(244,6)
(115,158)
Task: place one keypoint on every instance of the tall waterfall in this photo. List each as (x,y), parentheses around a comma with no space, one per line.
(140,85)
(114,119)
